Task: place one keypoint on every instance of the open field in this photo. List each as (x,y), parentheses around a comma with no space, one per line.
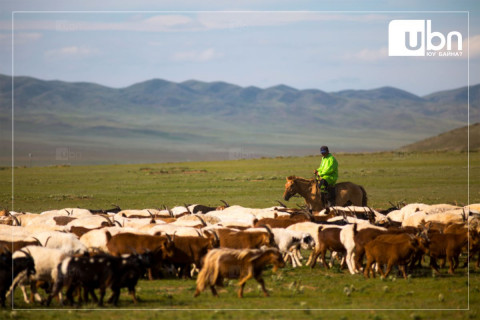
(413,177)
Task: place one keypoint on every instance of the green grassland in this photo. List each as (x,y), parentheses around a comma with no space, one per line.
(295,293)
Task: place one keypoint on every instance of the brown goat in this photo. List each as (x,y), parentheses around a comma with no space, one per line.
(162,247)
(80,231)
(236,264)
(392,249)
(12,246)
(245,239)
(446,246)
(328,239)
(188,250)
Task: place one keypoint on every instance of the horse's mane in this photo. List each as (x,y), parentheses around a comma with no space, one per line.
(299,178)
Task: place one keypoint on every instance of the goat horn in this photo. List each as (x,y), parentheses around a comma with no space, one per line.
(16,220)
(151,214)
(186,207)
(201,219)
(281,203)
(46,242)
(169,211)
(38,241)
(168,237)
(26,253)
(69,213)
(119,224)
(267,227)
(215,234)
(108,219)
(226,204)
(395,206)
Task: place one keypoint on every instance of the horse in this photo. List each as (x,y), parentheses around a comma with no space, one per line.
(346,193)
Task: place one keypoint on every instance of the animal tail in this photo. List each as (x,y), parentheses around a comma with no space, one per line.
(364,196)
(209,273)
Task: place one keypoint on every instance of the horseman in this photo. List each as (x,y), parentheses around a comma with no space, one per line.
(327,175)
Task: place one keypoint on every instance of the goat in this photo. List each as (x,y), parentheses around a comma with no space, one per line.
(289,240)
(446,246)
(245,239)
(188,250)
(236,264)
(162,247)
(393,249)
(328,239)
(46,262)
(11,270)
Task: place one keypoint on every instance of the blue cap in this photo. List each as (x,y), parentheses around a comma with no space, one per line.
(324,150)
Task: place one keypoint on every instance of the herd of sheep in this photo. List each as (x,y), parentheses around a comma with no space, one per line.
(76,252)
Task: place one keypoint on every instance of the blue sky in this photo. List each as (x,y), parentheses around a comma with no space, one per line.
(303,44)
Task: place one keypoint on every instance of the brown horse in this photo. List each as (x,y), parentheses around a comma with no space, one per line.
(346,193)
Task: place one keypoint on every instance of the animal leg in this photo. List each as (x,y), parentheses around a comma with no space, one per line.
(24,291)
(433,265)
(214,291)
(380,269)
(402,267)
(132,293)
(102,295)
(243,281)
(262,283)
(452,262)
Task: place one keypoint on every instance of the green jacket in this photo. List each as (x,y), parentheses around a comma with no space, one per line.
(328,169)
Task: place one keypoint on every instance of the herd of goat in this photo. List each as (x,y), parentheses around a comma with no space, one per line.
(77,251)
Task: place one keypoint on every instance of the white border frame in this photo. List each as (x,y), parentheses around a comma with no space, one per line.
(247,11)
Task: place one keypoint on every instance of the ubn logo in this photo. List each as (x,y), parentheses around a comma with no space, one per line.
(415,38)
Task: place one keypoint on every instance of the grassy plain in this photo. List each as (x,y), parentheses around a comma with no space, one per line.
(295,293)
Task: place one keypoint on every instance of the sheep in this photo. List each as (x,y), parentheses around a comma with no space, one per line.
(236,264)
(46,262)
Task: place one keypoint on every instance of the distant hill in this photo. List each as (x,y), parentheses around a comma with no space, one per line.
(454,140)
(159,120)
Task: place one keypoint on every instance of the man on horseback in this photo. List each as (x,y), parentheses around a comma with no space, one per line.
(327,175)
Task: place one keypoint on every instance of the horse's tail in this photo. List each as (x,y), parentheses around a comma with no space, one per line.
(364,196)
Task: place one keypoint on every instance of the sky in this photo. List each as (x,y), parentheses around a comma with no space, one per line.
(326,45)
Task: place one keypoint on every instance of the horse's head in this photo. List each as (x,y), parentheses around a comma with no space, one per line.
(290,188)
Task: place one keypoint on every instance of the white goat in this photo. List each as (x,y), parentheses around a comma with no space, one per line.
(46,262)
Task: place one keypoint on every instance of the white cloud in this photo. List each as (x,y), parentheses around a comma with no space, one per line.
(367,55)
(72,51)
(197,56)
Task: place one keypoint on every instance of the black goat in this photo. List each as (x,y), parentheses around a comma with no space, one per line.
(7,273)
(100,272)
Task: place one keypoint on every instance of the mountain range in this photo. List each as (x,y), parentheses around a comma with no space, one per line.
(159,120)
